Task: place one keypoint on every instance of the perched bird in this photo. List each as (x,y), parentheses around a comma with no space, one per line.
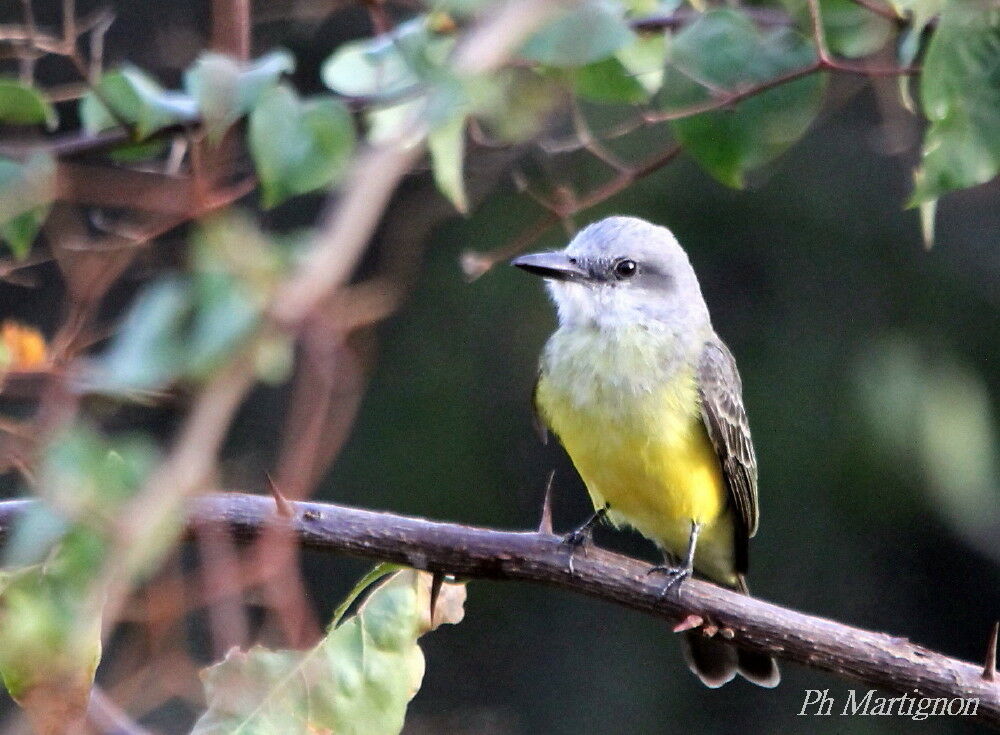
(647,401)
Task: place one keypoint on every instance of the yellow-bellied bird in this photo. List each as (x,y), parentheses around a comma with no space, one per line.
(647,401)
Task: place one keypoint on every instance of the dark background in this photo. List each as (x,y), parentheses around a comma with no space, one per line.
(871,378)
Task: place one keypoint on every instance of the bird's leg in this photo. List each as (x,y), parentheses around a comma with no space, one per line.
(584,533)
(677,574)
(670,562)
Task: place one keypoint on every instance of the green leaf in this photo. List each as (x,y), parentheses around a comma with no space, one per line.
(358,679)
(299,147)
(91,477)
(394,124)
(528,99)
(447,148)
(851,30)
(20,232)
(362,68)
(388,65)
(723,52)
(50,640)
(50,611)
(149,349)
(608,81)
(226,91)
(374,575)
(920,12)
(26,193)
(589,31)
(960,95)
(644,59)
(23,105)
(138,100)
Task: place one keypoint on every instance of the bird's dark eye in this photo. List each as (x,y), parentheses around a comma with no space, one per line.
(625,268)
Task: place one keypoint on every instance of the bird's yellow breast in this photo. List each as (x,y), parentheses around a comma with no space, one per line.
(637,438)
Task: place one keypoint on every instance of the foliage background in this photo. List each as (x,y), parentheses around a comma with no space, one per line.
(871,371)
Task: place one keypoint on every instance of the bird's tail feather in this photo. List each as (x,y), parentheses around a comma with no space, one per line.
(758,668)
(716,662)
(711,660)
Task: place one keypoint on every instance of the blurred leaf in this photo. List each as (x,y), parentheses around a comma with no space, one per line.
(723,50)
(589,31)
(137,99)
(226,91)
(50,644)
(274,359)
(394,124)
(358,679)
(367,69)
(149,349)
(851,30)
(960,94)
(297,146)
(388,65)
(226,316)
(89,477)
(647,7)
(23,105)
(645,59)
(528,99)
(933,418)
(50,611)
(236,262)
(26,193)
(447,149)
(184,328)
(19,233)
(920,11)
(608,81)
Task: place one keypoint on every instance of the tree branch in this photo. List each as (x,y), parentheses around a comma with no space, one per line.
(874,658)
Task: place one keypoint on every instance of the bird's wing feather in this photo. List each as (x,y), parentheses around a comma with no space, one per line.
(536,414)
(726,421)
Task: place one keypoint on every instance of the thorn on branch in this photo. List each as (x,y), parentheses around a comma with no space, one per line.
(545,524)
(990,669)
(281,503)
(691,622)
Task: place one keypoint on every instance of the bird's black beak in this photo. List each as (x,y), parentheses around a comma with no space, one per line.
(555,265)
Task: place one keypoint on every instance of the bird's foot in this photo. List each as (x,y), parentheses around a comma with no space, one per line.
(578,538)
(674,575)
(583,535)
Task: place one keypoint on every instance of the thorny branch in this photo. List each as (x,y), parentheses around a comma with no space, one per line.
(877,659)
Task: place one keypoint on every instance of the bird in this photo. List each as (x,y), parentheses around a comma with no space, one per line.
(647,401)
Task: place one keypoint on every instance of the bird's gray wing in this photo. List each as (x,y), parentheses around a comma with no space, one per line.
(726,421)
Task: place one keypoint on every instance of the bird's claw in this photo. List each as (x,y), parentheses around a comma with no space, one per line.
(575,540)
(675,575)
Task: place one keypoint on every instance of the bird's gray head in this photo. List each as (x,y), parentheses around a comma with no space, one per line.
(621,271)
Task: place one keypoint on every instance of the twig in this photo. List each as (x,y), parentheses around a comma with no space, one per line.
(107,717)
(476,264)
(231,28)
(875,658)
